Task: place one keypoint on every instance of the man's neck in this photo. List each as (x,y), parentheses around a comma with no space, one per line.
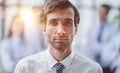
(59,55)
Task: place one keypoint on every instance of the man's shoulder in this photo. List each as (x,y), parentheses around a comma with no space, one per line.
(81,63)
(111,26)
(85,61)
(31,63)
(38,57)
(5,41)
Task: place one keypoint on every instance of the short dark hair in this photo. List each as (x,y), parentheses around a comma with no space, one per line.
(108,7)
(51,5)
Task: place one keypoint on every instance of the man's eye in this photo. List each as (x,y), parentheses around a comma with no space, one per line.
(68,23)
(53,23)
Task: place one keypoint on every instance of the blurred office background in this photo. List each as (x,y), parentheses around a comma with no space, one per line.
(87,9)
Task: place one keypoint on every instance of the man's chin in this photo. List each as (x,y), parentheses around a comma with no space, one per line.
(60,47)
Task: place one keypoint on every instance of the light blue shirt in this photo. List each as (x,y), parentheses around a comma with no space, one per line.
(109,56)
(43,62)
(116,64)
(12,50)
(93,48)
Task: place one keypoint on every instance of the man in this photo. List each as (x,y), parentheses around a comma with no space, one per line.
(99,35)
(60,26)
(112,53)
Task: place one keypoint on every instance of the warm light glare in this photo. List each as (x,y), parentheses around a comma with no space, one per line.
(27,15)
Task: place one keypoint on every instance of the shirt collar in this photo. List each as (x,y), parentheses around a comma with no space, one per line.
(67,61)
(51,61)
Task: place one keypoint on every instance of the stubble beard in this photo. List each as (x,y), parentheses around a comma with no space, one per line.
(61,46)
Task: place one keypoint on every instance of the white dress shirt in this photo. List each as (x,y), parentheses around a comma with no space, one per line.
(43,62)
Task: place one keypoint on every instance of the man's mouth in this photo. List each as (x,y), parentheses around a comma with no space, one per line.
(60,39)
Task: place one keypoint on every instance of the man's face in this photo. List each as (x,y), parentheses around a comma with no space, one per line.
(60,28)
(102,14)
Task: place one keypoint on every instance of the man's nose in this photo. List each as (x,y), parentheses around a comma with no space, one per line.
(60,30)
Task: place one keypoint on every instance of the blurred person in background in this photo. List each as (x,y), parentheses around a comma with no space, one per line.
(99,35)
(110,57)
(14,47)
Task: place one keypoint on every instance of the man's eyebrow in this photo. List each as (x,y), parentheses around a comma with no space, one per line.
(68,19)
(53,20)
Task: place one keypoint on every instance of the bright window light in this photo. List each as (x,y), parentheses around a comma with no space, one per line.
(27,15)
